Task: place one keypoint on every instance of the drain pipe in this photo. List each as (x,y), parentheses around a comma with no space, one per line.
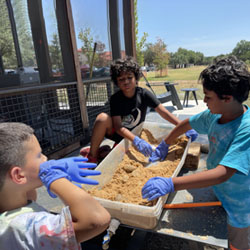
(114,224)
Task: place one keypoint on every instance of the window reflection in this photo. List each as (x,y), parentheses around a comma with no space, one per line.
(120,10)
(53,38)
(91,27)
(17,57)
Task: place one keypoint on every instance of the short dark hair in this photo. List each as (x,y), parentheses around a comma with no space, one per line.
(12,150)
(227,76)
(124,65)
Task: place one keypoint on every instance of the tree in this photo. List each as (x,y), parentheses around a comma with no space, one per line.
(7,51)
(88,43)
(199,58)
(161,56)
(55,53)
(242,50)
(24,32)
(183,57)
(180,58)
(208,60)
(149,54)
(139,43)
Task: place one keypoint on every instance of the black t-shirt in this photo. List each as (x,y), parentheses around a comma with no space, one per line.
(132,110)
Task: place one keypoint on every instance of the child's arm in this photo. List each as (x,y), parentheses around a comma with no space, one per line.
(122,131)
(161,151)
(207,178)
(159,186)
(144,147)
(89,217)
(165,114)
(180,129)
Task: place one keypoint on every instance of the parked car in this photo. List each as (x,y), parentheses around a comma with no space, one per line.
(104,71)
(84,70)
(143,68)
(101,72)
(10,71)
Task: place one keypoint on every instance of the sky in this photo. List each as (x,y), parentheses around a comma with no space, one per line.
(212,27)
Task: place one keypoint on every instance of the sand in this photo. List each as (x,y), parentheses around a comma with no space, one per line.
(131,174)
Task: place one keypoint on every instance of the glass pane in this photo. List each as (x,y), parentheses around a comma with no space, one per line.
(18,65)
(53,39)
(92,35)
(122,41)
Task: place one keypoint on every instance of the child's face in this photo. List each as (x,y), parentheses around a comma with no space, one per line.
(33,159)
(126,82)
(214,103)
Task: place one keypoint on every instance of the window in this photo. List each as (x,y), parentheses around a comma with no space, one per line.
(17,57)
(93,43)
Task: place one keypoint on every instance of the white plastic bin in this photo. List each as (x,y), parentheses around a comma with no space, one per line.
(131,214)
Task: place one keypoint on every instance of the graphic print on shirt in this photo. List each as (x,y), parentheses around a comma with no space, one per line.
(133,119)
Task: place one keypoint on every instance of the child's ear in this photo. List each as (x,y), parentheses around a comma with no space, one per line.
(227,98)
(17,175)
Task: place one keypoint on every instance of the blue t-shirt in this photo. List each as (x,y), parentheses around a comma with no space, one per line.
(229,145)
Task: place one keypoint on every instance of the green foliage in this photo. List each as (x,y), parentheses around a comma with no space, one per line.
(139,49)
(55,53)
(88,48)
(161,56)
(24,33)
(242,50)
(183,57)
(139,43)
(88,43)
(149,54)
(7,50)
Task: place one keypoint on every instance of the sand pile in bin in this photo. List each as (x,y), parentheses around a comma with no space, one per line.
(131,174)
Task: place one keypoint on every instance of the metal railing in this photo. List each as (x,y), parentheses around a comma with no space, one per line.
(53,110)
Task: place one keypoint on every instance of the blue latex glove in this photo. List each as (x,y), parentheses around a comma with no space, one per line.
(51,171)
(160,152)
(74,168)
(156,187)
(69,168)
(142,146)
(192,133)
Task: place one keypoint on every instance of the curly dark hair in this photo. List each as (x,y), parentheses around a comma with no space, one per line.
(124,65)
(227,76)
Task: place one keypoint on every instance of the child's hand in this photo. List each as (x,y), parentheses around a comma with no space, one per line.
(142,146)
(69,168)
(192,133)
(156,187)
(75,169)
(160,152)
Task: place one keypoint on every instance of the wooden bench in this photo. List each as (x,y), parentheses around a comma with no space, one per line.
(169,95)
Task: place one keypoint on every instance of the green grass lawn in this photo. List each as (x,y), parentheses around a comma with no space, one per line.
(185,74)
(185,77)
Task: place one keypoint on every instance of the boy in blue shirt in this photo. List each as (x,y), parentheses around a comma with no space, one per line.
(226,86)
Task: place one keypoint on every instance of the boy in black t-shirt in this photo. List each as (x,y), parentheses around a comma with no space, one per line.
(128,109)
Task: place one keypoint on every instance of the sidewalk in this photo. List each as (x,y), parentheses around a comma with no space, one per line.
(186,112)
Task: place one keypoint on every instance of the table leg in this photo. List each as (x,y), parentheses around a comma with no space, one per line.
(186,98)
(194,94)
